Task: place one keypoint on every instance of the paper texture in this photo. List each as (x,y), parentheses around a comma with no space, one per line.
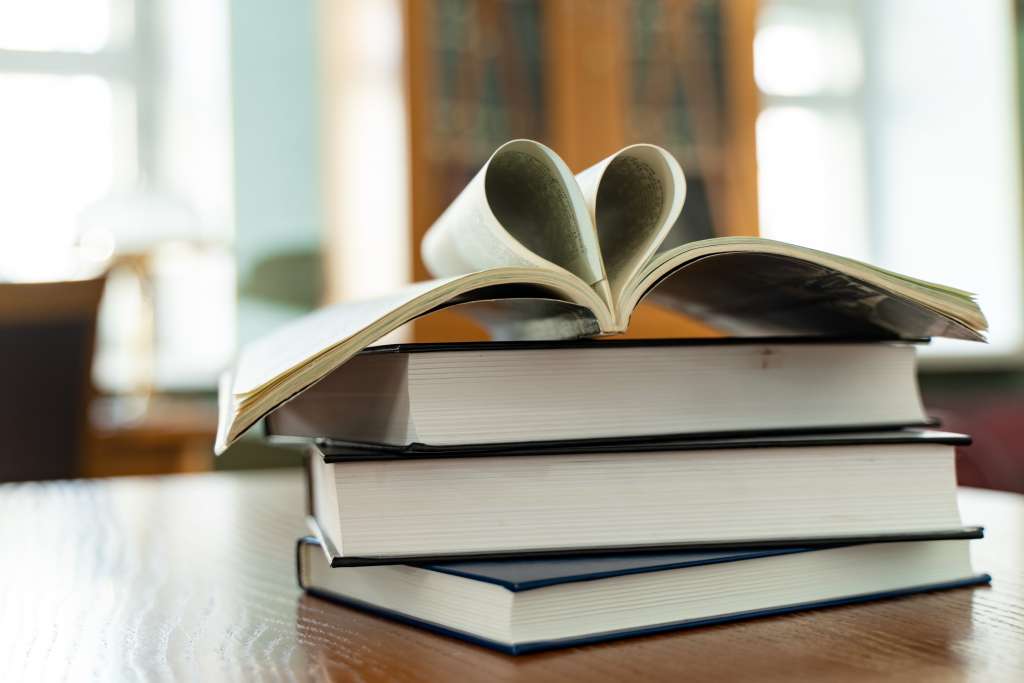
(275,354)
(522,209)
(634,198)
(749,286)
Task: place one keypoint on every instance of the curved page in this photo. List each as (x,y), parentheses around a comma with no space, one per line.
(756,287)
(634,197)
(523,208)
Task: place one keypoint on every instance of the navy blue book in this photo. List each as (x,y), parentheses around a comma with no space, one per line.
(520,606)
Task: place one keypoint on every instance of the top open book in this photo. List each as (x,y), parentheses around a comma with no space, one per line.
(546,255)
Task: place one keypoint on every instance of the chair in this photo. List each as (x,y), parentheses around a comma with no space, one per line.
(47,335)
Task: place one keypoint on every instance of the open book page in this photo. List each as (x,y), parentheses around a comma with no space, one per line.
(522,209)
(522,237)
(523,315)
(273,369)
(268,358)
(634,198)
(754,286)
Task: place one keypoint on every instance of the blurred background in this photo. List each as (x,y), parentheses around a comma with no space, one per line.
(180,176)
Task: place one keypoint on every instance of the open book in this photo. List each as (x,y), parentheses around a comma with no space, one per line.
(546,255)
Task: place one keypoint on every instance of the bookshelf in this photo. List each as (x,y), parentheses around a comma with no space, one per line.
(585,77)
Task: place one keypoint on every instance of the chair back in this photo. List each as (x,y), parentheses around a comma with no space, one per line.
(47,335)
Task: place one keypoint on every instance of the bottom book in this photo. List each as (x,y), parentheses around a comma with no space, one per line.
(520,606)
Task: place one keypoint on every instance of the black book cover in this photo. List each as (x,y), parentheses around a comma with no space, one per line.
(334,451)
(610,343)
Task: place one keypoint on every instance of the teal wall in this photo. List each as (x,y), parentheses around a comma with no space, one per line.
(276,156)
(278,215)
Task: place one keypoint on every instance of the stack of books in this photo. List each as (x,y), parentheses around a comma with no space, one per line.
(548,489)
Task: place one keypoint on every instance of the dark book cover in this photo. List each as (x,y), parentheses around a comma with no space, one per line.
(518,575)
(611,343)
(334,451)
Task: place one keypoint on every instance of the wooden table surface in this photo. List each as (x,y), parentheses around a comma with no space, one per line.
(191,577)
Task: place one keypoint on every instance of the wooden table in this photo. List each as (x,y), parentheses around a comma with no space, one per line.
(191,577)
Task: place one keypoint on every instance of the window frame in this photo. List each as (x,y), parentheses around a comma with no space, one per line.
(127,64)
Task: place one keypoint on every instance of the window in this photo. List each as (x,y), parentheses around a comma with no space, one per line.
(889,133)
(65,86)
(115,141)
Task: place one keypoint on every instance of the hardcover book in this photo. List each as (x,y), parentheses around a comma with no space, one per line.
(546,255)
(520,606)
(820,489)
(448,397)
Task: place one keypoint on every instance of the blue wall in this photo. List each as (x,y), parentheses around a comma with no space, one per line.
(277,164)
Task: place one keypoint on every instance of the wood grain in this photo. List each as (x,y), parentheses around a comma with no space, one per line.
(191,577)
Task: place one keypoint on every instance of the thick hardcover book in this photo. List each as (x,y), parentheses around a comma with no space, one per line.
(808,490)
(520,606)
(433,397)
(541,254)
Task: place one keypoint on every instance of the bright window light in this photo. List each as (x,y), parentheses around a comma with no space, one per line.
(48,25)
(113,146)
(810,184)
(56,137)
(805,53)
